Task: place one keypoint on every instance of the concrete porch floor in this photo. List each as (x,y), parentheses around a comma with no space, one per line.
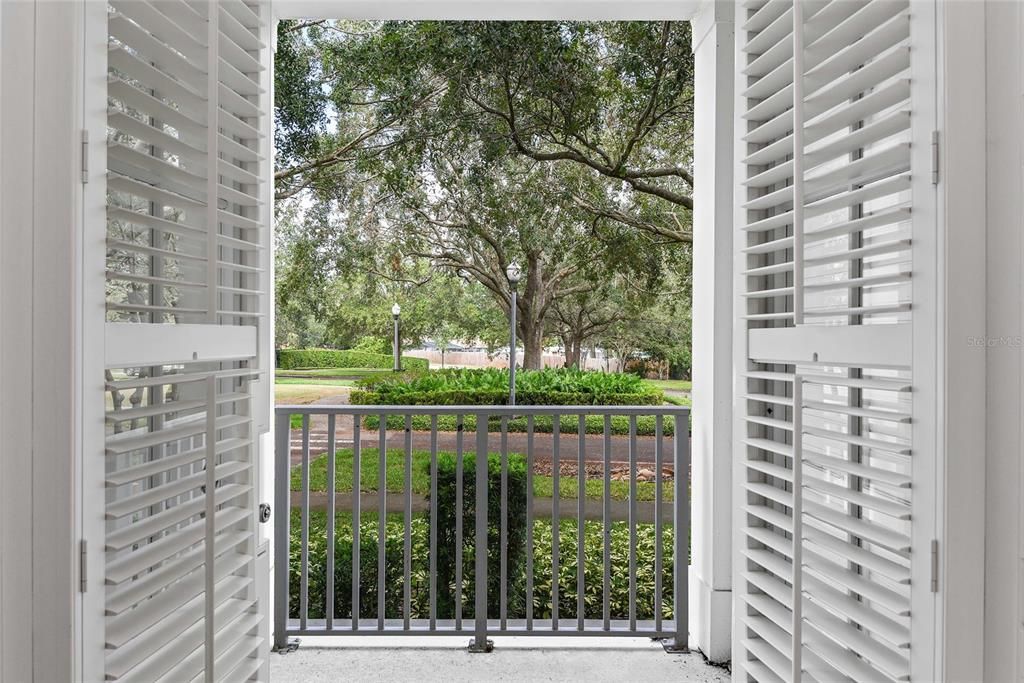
(591,660)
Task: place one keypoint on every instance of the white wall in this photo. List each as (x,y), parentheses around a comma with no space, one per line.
(711,575)
(961,445)
(1004,407)
(39,243)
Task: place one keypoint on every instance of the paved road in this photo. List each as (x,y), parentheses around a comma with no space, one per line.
(543,444)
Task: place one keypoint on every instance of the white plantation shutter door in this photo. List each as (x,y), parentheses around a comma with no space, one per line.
(835,484)
(186,300)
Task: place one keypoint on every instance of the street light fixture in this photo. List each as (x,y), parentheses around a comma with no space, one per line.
(514,274)
(396,310)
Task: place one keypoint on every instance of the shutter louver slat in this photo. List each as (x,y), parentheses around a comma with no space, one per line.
(238,33)
(154,524)
(123,627)
(186,243)
(896,603)
(776,662)
(856,469)
(826,114)
(776,518)
(882,658)
(164,659)
(188,41)
(136,562)
(176,620)
(153,135)
(765,14)
(851,112)
(896,632)
(769,131)
(891,540)
(885,566)
(847,59)
(132,162)
(770,469)
(171,61)
(770,539)
(135,68)
(156,581)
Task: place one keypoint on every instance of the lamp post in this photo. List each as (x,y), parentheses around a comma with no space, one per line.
(514,273)
(396,310)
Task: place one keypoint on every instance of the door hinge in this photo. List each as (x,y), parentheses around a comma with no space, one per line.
(935,565)
(83,566)
(935,157)
(85,156)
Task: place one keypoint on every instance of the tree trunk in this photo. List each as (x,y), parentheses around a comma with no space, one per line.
(533,345)
(573,352)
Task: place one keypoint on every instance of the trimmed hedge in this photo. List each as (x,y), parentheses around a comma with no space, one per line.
(298,359)
(447,541)
(486,397)
(551,386)
(593,570)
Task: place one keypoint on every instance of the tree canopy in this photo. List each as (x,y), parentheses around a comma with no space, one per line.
(414,148)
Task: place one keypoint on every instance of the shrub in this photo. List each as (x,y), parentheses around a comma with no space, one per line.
(551,386)
(372,345)
(368,589)
(593,571)
(447,541)
(296,359)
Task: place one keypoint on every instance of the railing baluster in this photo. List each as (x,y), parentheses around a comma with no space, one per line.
(529,522)
(658,526)
(282,526)
(503,545)
(480,544)
(382,517)
(632,522)
(581,501)
(681,524)
(606,518)
(407,568)
(673,627)
(356,516)
(433,522)
(304,553)
(329,616)
(460,428)
(556,427)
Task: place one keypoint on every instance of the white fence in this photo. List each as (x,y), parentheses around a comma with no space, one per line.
(480,359)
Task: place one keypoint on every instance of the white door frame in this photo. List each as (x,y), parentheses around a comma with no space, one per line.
(959,314)
(711,574)
(70,339)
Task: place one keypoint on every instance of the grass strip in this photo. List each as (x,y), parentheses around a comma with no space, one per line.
(543,485)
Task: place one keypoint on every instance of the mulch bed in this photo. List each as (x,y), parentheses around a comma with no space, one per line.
(595,470)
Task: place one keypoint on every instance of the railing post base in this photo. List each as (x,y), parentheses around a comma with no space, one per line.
(487,646)
(675,646)
(290,645)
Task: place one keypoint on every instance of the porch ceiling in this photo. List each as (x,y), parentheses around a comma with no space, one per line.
(608,10)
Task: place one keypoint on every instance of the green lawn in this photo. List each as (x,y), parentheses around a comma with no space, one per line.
(313,381)
(301,394)
(333,373)
(543,486)
(679,400)
(671,384)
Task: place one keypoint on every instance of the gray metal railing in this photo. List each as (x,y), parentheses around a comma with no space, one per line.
(612,443)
